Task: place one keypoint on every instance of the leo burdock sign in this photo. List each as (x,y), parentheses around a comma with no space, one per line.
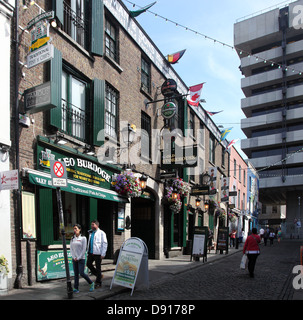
(222,240)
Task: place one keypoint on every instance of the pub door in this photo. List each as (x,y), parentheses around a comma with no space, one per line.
(143,223)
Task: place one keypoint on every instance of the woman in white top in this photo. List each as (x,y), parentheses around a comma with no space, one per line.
(78,248)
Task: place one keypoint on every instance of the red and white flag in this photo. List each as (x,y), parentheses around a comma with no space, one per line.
(232,142)
(194,94)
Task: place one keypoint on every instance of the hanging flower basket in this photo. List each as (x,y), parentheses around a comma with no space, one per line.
(221,214)
(181,187)
(175,205)
(4,265)
(232,217)
(127,184)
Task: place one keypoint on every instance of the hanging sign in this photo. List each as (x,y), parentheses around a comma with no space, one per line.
(168,110)
(132,264)
(39,98)
(41,55)
(169,88)
(9,180)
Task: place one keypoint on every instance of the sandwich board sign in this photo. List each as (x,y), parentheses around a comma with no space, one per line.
(132,265)
(199,248)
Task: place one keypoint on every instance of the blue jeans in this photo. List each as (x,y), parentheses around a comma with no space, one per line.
(79,269)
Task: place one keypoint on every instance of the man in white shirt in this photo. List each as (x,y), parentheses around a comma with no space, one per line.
(97,246)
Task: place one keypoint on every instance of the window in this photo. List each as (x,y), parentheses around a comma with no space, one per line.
(145,136)
(201,169)
(111,41)
(240,173)
(244,177)
(75,23)
(111,110)
(145,75)
(235,168)
(74,113)
(201,134)
(75,209)
(223,157)
(212,149)
(192,123)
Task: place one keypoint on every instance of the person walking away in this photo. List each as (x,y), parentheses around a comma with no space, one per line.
(232,238)
(279,235)
(78,246)
(261,232)
(210,239)
(252,250)
(97,246)
(271,237)
(265,237)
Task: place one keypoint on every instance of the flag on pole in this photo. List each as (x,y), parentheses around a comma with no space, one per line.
(194,94)
(175,57)
(136,13)
(212,113)
(224,133)
(232,142)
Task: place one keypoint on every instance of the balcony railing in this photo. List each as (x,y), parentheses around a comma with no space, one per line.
(75,25)
(74,120)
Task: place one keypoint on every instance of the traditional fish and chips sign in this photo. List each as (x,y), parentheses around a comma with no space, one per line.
(40,50)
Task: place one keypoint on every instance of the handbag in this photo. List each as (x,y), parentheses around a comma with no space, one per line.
(243,262)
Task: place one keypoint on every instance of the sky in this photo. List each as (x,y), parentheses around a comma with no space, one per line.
(205,60)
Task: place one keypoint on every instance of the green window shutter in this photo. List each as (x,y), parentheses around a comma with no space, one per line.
(58,7)
(98,111)
(93,209)
(46,216)
(56,88)
(97,27)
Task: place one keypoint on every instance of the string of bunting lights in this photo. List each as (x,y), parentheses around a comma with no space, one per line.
(239,50)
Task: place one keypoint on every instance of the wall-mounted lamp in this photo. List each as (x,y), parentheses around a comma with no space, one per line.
(175,194)
(89,150)
(198,201)
(60,140)
(143,181)
(206,205)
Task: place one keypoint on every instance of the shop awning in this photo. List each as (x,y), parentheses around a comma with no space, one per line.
(44,180)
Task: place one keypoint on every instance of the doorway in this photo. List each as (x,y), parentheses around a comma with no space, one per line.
(143,223)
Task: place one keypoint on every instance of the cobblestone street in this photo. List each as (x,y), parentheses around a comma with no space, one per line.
(223,280)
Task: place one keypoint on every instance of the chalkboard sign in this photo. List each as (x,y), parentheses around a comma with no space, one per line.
(222,240)
(200,240)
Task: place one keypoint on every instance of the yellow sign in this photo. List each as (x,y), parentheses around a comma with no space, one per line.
(39,43)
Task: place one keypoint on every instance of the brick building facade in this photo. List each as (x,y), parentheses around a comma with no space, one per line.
(105,76)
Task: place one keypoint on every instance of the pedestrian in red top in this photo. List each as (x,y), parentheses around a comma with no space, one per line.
(252,250)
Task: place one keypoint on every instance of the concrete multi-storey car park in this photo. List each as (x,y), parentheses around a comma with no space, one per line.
(270,48)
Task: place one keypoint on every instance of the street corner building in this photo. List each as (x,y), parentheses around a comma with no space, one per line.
(89,88)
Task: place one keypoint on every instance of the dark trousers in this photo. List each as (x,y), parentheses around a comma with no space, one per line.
(79,269)
(252,258)
(95,270)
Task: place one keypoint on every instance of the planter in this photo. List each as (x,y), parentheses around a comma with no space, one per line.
(3,284)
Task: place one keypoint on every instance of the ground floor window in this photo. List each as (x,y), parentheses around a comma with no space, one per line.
(75,210)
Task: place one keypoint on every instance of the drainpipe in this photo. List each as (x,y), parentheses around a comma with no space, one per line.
(19,268)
